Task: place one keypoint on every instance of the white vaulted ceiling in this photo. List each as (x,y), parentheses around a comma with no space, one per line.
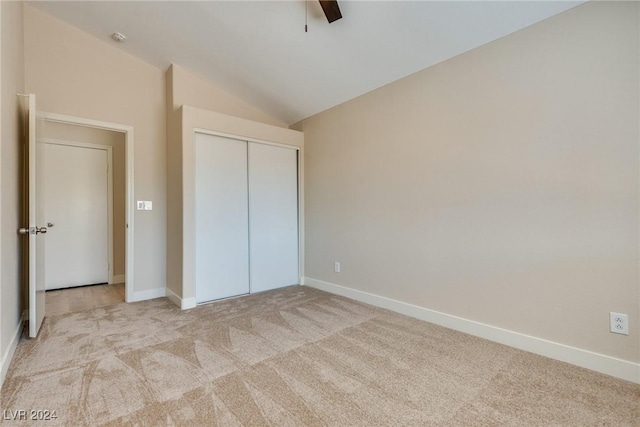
(259,51)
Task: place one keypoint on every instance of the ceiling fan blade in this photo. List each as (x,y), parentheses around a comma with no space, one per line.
(331,10)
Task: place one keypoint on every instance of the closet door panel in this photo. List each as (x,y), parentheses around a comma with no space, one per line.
(273,213)
(221,218)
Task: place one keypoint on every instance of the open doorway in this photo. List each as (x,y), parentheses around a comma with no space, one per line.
(87,171)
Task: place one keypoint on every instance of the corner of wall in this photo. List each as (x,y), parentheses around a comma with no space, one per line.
(168,76)
(299,126)
(174,188)
(7,355)
(183,303)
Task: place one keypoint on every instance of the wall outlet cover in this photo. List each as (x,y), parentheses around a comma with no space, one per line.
(619,323)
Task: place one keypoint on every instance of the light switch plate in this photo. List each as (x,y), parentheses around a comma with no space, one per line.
(144,205)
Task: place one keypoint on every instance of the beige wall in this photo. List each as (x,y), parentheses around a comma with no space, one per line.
(76,74)
(500,186)
(189,89)
(11,83)
(68,132)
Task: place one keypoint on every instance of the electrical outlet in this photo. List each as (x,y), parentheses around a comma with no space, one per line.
(619,323)
(336,267)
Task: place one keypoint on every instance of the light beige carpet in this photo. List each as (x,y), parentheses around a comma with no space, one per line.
(294,357)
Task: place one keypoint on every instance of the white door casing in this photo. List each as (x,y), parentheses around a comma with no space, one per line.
(128,131)
(77,200)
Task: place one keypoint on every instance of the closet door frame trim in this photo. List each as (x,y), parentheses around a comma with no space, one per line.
(247,139)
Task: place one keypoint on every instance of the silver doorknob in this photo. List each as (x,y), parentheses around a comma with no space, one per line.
(33,230)
(50,224)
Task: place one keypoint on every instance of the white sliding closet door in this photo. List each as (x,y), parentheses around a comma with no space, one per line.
(273,213)
(221,218)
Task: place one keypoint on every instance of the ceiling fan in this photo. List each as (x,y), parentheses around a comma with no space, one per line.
(331,10)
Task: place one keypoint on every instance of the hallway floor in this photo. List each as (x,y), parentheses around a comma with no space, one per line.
(74,299)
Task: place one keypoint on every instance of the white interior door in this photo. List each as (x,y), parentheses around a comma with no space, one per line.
(75,201)
(221,218)
(34,229)
(273,213)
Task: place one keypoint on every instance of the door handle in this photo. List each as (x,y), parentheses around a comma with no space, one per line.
(33,230)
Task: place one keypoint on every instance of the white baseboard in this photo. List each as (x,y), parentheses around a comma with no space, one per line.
(619,368)
(11,349)
(183,303)
(148,294)
(119,278)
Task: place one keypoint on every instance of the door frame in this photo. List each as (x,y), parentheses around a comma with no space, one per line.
(129,184)
(109,151)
